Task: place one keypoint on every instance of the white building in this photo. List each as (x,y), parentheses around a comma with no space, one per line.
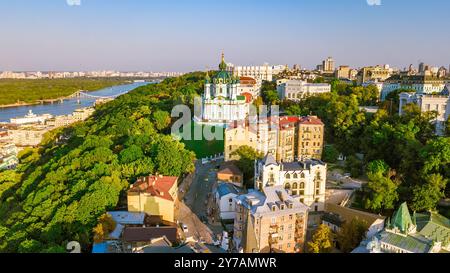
(298,89)
(305,181)
(31,118)
(420,84)
(263,72)
(225,200)
(221,102)
(428,103)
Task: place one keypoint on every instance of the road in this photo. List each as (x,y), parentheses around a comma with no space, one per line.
(194,206)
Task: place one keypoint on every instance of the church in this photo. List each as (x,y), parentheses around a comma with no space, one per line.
(223,102)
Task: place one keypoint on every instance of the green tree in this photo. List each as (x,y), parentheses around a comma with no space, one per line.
(246,163)
(382,190)
(351,234)
(330,154)
(162,120)
(427,196)
(322,240)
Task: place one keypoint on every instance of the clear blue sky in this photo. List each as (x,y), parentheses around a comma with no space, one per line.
(185,35)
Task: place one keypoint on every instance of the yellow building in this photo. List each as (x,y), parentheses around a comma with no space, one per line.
(310,138)
(236,136)
(154,195)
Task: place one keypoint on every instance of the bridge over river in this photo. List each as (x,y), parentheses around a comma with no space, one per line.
(66,106)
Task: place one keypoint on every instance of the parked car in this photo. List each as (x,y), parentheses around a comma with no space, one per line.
(185,228)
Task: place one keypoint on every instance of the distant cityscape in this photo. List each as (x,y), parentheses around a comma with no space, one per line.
(32,75)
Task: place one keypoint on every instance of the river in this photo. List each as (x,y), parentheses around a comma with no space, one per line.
(68,106)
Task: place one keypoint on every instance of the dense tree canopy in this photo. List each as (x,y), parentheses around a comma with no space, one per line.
(58,191)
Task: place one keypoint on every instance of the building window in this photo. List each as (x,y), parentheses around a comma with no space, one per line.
(288,176)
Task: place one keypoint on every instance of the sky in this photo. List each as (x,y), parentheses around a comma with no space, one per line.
(188,35)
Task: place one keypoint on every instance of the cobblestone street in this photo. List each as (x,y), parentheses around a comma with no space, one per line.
(197,204)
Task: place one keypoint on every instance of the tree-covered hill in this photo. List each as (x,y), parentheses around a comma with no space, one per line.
(30,91)
(58,191)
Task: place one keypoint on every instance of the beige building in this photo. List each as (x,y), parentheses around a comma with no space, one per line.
(305,181)
(238,135)
(287,138)
(28,135)
(374,73)
(310,138)
(328,65)
(154,195)
(343,72)
(270,221)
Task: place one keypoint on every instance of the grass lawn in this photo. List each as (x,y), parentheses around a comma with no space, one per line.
(204,148)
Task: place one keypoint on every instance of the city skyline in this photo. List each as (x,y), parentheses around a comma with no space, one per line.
(189,35)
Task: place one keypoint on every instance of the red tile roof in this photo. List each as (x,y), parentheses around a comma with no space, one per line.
(247,80)
(157,186)
(311,120)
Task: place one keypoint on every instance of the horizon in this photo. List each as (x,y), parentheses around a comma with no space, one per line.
(184,36)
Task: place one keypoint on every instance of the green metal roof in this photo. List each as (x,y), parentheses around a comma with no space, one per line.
(402,219)
(408,243)
(434,227)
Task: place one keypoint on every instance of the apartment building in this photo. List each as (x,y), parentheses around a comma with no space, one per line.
(296,90)
(305,181)
(288,138)
(270,221)
(154,195)
(310,138)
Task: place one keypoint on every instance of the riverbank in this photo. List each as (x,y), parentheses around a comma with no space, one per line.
(66,106)
(16,93)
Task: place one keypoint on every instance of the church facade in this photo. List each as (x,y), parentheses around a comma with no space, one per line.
(222,101)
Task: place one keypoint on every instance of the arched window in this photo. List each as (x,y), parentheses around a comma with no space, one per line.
(302,185)
(302,175)
(288,176)
(287,186)
(295,186)
(295,176)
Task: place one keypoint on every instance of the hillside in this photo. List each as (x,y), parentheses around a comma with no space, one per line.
(58,191)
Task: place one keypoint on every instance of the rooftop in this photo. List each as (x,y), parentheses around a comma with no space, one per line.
(227,188)
(158,186)
(146,234)
(229,168)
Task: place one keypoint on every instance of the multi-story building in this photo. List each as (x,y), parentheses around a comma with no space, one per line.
(421,84)
(222,102)
(343,72)
(287,138)
(28,135)
(154,195)
(238,135)
(305,181)
(297,89)
(438,103)
(249,87)
(374,73)
(262,73)
(270,221)
(328,65)
(310,138)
